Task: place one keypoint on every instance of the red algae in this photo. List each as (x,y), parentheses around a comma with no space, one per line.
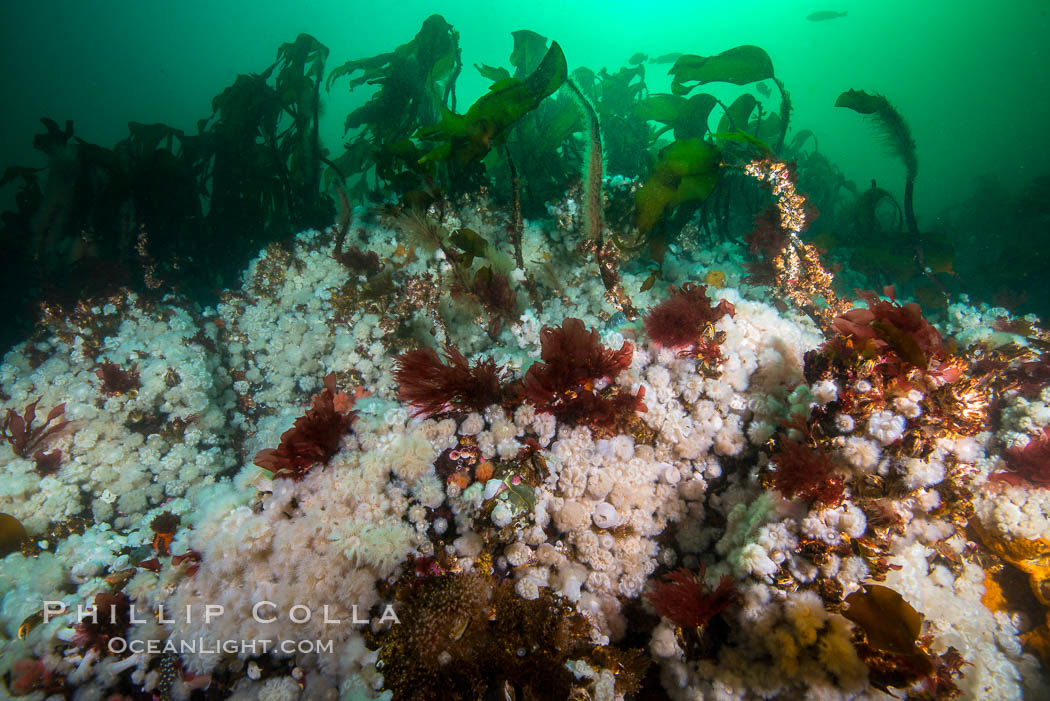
(573,354)
(679,321)
(572,361)
(806,473)
(683,598)
(313,438)
(25,437)
(898,332)
(1030,464)
(117,381)
(112,616)
(433,388)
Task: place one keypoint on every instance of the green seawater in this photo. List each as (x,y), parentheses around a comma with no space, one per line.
(969,80)
(110,192)
(969,77)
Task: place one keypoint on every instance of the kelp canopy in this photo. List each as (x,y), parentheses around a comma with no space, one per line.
(166,209)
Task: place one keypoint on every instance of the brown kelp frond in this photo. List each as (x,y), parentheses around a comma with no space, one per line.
(888,640)
(12,534)
(594,205)
(891,125)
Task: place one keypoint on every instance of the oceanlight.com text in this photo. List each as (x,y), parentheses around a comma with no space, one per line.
(200,646)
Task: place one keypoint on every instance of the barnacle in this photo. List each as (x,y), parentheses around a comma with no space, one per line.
(482,530)
(963,405)
(55,532)
(798,271)
(629,666)
(454,465)
(270,272)
(875,552)
(643,433)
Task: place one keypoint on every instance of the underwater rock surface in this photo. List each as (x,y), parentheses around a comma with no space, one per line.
(746,507)
(581,406)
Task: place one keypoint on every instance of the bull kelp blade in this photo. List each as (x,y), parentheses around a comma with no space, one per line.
(687,170)
(740,65)
(12,533)
(884,116)
(469,137)
(890,622)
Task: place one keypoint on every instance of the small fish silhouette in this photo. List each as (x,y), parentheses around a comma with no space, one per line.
(637,58)
(667,58)
(824,15)
(763,89)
